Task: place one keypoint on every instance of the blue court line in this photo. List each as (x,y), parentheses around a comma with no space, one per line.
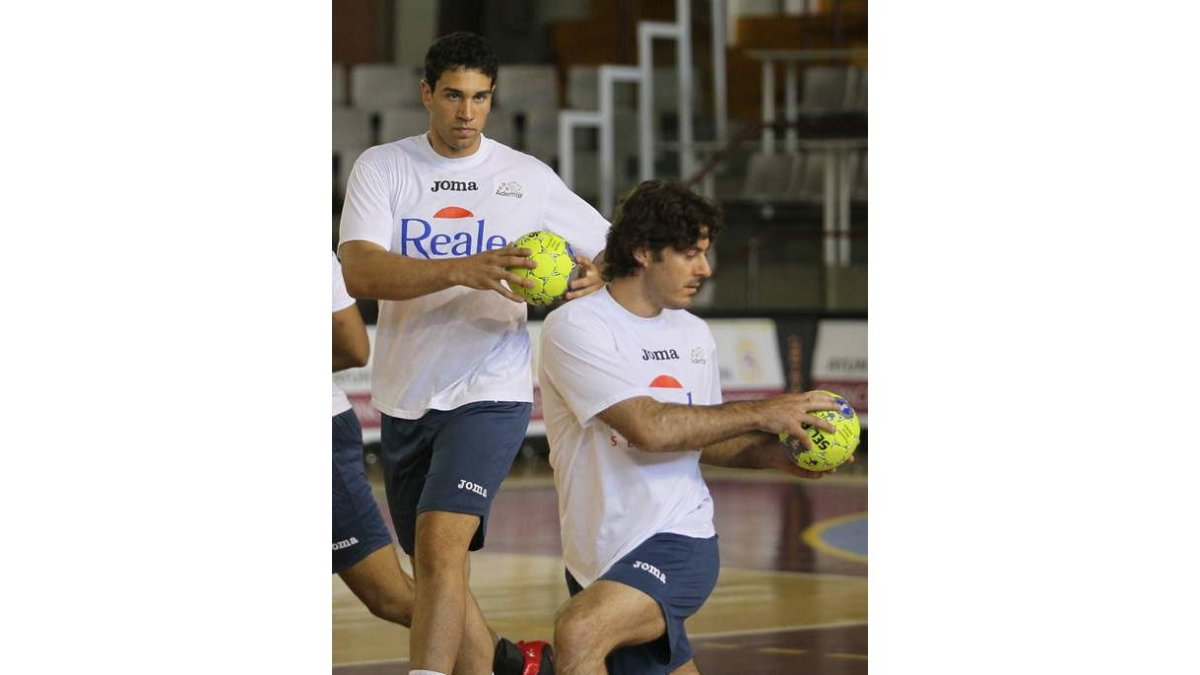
(843,537)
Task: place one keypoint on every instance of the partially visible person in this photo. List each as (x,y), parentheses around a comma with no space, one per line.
(426,229)
(363,553)
(631,397)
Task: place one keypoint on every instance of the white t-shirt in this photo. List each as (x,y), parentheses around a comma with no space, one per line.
(341,300)
(611,496)
(458,345)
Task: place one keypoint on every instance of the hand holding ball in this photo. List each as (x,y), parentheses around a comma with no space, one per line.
(555,265)
(829,451)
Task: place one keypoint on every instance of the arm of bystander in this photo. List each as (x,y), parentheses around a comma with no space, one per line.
(351,348)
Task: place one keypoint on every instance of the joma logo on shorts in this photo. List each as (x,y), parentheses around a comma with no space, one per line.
(473,487)
(638,564)
(345,543)
(453,186)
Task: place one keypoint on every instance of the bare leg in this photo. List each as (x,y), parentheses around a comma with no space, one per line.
(382,585)
(606,615)
(478,647)
(389,593)
(442,596)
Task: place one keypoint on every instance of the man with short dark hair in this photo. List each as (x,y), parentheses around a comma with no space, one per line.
(427,229)
(631,396)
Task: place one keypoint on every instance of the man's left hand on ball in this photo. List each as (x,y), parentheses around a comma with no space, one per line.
(589,279)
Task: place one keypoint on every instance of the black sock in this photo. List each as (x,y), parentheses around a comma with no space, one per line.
(508,659)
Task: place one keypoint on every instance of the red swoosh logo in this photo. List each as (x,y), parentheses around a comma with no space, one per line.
(453,212)
(666,381)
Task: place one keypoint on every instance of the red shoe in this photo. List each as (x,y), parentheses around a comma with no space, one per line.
(539,657)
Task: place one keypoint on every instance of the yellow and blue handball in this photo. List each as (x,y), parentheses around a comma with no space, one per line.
(555,266)
(829,451)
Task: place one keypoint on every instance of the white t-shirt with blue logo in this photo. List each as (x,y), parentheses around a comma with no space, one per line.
(611,495)
(459,345)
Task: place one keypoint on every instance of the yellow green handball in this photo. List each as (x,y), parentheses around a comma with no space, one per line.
(555,265)
(829,451)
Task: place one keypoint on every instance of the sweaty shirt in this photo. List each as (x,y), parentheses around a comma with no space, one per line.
(459,345)
(612,496)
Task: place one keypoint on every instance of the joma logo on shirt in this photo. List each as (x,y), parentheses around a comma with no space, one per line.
(639,565)
(659,355)
(453,186)
(473,487)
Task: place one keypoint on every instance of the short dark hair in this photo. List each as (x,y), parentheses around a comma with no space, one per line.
(656,214)
(460,50)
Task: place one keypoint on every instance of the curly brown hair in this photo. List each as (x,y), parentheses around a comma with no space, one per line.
(656,214)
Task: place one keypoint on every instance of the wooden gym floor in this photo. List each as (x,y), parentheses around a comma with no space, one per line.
(791,597)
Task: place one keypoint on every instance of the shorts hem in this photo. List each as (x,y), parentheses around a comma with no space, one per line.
(359,556)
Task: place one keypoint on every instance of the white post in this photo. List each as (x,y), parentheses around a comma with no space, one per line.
(646,103)
(683,59)
(832,293)
(647,31)
(843,154)
(606,142)
(566,150)
(567,121)
(830,206)
(720,109)
(789,107)
(646,113)
(768,105)
(609,77)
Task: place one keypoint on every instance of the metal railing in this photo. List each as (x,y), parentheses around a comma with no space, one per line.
(791,58)
(642,75)
(837,181)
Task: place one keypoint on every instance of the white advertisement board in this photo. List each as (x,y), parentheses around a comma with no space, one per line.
(840,361)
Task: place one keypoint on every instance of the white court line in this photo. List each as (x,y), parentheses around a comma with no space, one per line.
(804,575)
(747,570)
(779,629)
(384,662)
(691,636)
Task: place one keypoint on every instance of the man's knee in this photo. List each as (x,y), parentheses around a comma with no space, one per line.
(575,639)
(380,583)
(391,608)
(442,542)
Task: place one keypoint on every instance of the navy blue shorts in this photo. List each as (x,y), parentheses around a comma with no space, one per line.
(450,460)
(358,527)
(679,573)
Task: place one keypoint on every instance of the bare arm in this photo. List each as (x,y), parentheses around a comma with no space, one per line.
(663,427)
(373,272)
(351,348)
(744,452)
(754,450)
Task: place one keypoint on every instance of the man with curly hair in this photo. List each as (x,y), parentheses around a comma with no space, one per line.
(631,395)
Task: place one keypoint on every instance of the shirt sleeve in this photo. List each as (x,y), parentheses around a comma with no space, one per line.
(574,219)
(341,298)
(367,213)
(580,359)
